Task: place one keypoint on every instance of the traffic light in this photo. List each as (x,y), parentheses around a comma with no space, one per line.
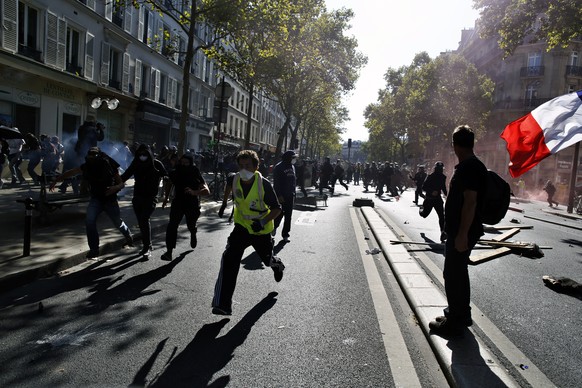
(349,143)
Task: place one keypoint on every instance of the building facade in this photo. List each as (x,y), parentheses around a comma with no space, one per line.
(62,61)
(531,76)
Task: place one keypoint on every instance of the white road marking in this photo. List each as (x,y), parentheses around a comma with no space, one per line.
(401,365)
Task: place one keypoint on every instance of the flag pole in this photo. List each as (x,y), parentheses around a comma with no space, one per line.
(573,178)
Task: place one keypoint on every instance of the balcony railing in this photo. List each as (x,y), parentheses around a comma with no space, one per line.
(532,71)
(115,84)
(78,70)
(575,71)
(30,52)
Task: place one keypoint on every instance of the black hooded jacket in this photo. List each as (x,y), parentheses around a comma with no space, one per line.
(147,173)
(186,177)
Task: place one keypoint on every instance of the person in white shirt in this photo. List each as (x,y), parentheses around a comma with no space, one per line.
(15,158)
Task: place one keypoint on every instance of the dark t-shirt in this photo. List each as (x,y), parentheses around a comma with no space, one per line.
(186,177)
(470,174)
(100,173)
(435,182)
(147,177)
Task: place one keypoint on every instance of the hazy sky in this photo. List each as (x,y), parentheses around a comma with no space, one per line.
(390,33)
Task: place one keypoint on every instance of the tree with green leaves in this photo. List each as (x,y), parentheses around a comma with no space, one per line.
(515,22)
(423,102)
(222,16)
(245,52)
(316,57)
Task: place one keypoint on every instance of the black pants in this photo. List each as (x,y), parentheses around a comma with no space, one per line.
(287,212)
(457,285)
(239,240)
(143,208)
(340,180)
(324,184)
(436,203)
(180,208)
(418,193)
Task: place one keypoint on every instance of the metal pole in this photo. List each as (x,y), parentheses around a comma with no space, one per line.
(573,178)
(27,226)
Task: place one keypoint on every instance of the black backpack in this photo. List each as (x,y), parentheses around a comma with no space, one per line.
(497,198)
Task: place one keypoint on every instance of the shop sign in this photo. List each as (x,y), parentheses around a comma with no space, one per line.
(28,98)
(71,108)
(58,91)
(563,165)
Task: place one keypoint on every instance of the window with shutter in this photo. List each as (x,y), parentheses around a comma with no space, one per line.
(140,23)
(9,25)
(105,60)
(89,56)
(127,15)
(125,75)
(137,82)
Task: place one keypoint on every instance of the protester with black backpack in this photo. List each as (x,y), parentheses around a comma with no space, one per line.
(101,172)
(464,227)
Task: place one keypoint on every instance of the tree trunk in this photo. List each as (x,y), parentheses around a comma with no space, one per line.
(185,115)
(282,134)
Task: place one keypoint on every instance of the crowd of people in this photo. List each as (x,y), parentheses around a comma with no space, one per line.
(44,150)
(263,195)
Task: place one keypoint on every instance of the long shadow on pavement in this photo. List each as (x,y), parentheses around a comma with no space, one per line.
(208,354)
(465,352)
(131,289)
(47,288)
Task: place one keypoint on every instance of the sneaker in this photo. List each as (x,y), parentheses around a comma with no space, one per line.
(166,256)
(193,240)
(128,241)
(146,252)
(221,311)
(446,327)
(278,268)
(92,254)
(443,236)
(286,239)
(468,322)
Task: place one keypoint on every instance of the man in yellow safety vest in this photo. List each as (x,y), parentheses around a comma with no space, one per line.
(255,207)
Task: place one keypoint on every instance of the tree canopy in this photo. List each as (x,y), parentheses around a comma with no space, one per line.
(514,22)
(422,103)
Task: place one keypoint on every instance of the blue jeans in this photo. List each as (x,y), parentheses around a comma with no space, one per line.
(143,208)
(33,161)
(111,208)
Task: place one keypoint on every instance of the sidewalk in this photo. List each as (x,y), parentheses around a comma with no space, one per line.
(62,243)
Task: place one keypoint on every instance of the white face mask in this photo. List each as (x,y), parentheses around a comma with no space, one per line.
(143,158)
(293,161)
(246,175)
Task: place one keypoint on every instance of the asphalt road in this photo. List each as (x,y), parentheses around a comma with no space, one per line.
(542,323)
(128,322)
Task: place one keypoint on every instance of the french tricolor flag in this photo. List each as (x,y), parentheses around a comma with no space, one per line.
(547,129)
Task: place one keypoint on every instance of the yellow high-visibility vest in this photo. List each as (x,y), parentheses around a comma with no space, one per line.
(251,208)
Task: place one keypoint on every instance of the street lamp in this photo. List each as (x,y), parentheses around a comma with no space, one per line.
(111,103)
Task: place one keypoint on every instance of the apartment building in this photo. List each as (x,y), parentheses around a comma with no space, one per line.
(531,76)
(62,61)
